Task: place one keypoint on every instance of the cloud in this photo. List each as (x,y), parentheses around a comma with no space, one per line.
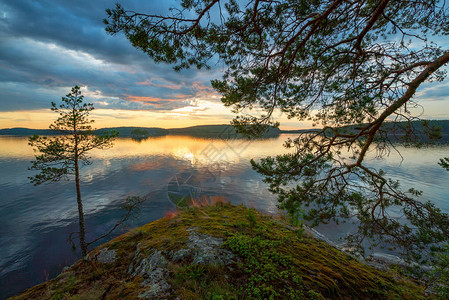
(160,83)
(435,91)
(204,91)
(48,46)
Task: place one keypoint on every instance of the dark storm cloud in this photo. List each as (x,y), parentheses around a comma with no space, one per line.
(47,46)
(75,25)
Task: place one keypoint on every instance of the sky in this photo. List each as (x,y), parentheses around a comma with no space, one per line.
(48,46)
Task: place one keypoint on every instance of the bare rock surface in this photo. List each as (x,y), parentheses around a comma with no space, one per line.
(181,255)
(106,256)
(153,270)
(208,249)
(152,264)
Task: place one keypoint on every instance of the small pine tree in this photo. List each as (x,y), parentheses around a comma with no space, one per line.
(60,157)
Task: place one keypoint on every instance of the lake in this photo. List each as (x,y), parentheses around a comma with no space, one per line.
(36,220)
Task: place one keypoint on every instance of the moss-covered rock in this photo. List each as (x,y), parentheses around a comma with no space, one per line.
(221,252)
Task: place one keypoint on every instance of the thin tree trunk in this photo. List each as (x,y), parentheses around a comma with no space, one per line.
(78,190)
(80,211)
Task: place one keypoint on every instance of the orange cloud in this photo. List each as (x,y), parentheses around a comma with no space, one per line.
(154,100)
(203,91)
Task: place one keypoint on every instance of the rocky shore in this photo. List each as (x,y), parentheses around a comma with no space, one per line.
(221,251)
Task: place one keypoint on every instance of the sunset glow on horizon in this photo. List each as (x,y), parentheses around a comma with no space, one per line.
(40,64)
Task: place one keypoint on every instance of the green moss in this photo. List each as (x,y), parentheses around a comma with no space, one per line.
(273,262)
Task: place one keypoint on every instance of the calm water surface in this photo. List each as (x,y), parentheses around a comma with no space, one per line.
(35,221)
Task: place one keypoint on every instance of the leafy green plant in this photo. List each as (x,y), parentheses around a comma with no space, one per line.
(296,218)
(440,274)
(251,217)
(264,265)
(192,271)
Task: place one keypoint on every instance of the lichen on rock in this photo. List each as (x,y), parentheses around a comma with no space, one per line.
(153,270)
(208,249)
(180,255)
(106,256)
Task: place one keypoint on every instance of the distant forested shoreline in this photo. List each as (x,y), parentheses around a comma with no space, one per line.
(218,131)
(224,131)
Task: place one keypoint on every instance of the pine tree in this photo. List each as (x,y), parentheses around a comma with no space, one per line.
(61,156)
(353,68)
